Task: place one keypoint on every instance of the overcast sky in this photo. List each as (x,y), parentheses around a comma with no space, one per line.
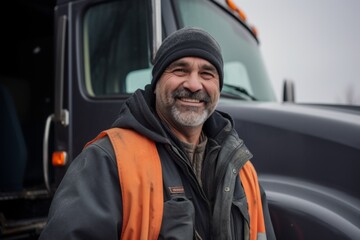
(315,43)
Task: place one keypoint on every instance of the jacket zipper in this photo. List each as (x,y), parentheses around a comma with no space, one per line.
(190,172)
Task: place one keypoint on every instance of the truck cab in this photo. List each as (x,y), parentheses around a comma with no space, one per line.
(69,65)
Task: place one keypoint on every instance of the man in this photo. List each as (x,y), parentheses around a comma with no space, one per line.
(172,167)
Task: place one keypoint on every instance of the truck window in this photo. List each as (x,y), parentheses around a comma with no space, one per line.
(243,61)
(116,43)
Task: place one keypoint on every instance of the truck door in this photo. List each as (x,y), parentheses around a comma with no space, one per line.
(107,56)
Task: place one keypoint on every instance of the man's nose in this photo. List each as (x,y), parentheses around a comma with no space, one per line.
(193,83)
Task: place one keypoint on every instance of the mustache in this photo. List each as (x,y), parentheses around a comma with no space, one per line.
(184,93)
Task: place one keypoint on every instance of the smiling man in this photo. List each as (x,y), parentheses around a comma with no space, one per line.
(172,167)
(186,95)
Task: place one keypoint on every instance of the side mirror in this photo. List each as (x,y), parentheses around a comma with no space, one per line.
(288,91)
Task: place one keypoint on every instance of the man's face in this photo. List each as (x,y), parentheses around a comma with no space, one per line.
(187,92)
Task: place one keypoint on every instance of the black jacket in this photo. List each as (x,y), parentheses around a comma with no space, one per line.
(87,204)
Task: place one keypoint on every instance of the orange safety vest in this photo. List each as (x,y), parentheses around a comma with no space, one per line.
(140,177)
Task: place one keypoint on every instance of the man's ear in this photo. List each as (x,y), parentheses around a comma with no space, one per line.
(155,88)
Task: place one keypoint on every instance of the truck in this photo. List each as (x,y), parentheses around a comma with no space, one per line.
(68,65)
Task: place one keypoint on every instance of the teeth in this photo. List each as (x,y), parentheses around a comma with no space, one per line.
(190,100)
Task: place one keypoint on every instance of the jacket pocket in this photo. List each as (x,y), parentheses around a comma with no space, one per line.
(240,219)
(178,219)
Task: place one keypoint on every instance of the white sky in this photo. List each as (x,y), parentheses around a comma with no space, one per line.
(315,43)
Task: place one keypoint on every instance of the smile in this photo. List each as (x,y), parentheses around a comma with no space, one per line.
(190,100)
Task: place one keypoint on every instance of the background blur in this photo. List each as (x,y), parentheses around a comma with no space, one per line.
(315,43)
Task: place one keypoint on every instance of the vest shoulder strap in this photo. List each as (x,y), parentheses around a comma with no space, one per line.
(251,187)
(140,176)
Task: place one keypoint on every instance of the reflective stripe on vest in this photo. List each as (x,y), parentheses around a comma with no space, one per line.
(140,177)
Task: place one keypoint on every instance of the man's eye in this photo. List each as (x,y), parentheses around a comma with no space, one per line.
(179,71)
(207,75)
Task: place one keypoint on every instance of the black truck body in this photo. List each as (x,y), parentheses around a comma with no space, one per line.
(67,66)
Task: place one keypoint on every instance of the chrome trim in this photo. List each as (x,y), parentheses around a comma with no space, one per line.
(156,26)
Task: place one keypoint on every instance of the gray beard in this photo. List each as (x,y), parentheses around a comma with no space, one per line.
(189,118)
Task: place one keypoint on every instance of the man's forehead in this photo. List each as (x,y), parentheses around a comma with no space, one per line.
(188,61)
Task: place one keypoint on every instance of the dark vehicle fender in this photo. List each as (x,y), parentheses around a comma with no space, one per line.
(308,159)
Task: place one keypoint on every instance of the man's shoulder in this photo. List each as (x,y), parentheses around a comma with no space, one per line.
(100,148)
(104,144)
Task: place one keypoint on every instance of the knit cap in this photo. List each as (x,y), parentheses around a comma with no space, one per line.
(187,42)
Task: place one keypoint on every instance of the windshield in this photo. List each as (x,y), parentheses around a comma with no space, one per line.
(243,68)
(117,50)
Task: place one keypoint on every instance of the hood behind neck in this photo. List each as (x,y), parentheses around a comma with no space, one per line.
(138,113)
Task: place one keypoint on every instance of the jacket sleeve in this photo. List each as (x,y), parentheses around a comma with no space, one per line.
(87,203)
(270,234)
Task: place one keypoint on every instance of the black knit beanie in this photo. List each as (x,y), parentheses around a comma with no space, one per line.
(187,42)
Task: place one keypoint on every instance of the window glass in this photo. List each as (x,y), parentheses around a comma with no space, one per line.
(244,66)
(116,43)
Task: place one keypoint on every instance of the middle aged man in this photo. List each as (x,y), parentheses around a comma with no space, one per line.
(172,167)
